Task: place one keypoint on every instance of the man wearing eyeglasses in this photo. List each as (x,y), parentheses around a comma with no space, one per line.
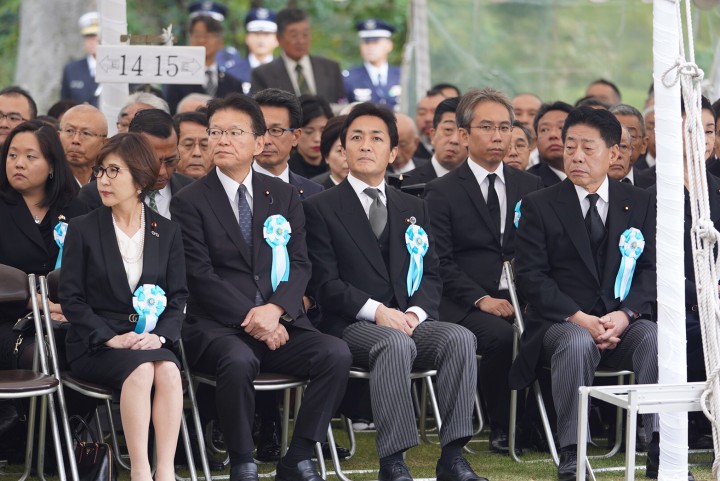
(83,131)
(283,117)
(16,107)
(631,119)
(159,130)
(472,212)
(239,320)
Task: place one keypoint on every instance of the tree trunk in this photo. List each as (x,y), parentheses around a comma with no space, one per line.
(49,38)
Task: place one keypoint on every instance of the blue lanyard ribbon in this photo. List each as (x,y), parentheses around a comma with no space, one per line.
(631,246)
(149,302)
(276,231)
(59,233)
(416,240)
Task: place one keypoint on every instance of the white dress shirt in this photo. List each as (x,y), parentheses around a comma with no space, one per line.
(231,190)
(284,175)
(439,169)
(603,202)
(162,200)
(367,311)
(378,75)
(559,173)
(306,69)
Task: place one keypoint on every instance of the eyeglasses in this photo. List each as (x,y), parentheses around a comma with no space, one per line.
(234,134)
(278,131)
(84,134)
(111,171)
(625,148)
(12,117)
(489,129)
(521,146)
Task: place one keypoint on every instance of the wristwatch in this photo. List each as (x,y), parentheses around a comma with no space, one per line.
(162,339)
(631,315)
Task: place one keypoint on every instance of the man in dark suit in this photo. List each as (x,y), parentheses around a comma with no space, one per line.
(78,79)
(450,149)
(622,168)
(424,114)
(206,31)
(567,260)
(242,318)
(375,81)
(631,119)
(548,126)
(295,70)
(361,272)
(159,130)
(473,211)
(16,106)
(283,117)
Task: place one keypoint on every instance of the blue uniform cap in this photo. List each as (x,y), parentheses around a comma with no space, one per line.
(260,20)
(374,28)
(216,10)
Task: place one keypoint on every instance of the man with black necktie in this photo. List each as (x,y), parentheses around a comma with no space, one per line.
(242,317)
(375,295)
(567,261)
(472,210)
(548,126)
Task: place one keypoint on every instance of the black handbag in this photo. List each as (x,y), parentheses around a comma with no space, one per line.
(94,459)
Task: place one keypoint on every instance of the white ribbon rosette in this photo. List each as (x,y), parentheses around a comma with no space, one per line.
(416,240)
(631,246)
(149,302)
(276,231)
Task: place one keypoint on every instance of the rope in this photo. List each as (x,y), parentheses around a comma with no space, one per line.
(704,237)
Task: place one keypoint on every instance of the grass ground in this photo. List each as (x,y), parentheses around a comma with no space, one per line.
(422,459)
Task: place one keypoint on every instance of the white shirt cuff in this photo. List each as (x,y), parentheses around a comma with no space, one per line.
(367,311)
(419,312)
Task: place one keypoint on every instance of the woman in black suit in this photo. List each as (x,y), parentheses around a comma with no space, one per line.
(111,255)
(37,192)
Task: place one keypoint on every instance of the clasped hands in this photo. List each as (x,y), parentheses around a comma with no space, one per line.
(402,321)
(263,324)
(136,342)
(605,330)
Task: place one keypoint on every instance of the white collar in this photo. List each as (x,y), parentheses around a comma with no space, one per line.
(231,185)
(559,173)
(480,172)
(359,186)
(439,169)
(284,175)
(603,191)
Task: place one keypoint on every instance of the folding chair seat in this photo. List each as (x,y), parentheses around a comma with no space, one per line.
(16,286)
(48,291)
(519,327)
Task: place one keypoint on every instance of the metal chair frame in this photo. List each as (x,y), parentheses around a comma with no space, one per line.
(519,327)
(39,382)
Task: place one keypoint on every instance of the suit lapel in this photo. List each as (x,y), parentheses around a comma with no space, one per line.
(215,194)
(151,249)
(262,196)
(111,253)
(512,196)
(617,221)
(320,77)
(471,186)
(353,217)
(24,221)
(282,74)
(399,256)
(569,212)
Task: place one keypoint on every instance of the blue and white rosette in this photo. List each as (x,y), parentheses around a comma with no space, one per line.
(416,240)
(631,246)
(276,231)
(516,220)
(59,233)
(149,302)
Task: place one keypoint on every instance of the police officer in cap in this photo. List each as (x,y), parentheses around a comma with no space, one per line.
(374,81)
(261,41)
(227,58)
(78,80)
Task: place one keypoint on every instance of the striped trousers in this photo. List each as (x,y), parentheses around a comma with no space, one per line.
(574,358)
(391,355)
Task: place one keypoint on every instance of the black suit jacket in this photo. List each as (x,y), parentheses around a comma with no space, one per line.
(22,246)
(93,279)
(90,197)
(347,264)
(420,175)
(328,80)
(644,178)
(305,187)
(223,275)
(543,171)
(713,165)
(555,269)
(468,244)
(227,84)
(324,180)
(422,152)
(641,163)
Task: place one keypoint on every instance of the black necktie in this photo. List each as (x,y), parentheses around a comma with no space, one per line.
(493,202)
(627,181)
(593,222)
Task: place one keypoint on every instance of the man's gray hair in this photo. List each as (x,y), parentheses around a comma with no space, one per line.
(147,98)
(629,110)
(471,99)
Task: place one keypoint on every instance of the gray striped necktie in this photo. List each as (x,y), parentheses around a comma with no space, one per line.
(245,219)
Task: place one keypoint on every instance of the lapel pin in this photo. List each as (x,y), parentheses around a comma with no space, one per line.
(61,218)
(301,191)
(412,220)
(267,192)
(626,208)
(153,226)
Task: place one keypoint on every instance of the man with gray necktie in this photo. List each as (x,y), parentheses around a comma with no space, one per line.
(248,268)
(376,280)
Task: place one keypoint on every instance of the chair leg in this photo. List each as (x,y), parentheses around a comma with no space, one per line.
(546,423)
(333,454)
(512,429)
(285,422)
(433,402)
(200,437)
(30,439)
(40,466)
(351,435)
(188,447)
(321,460)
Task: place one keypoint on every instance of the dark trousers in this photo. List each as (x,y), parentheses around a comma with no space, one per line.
(236,361)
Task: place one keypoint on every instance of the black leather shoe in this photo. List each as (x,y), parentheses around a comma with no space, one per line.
(244,472)
(459,470)
(394,472)
(343,453)
(567,468)
(268,447)
(304,471)
(499,441)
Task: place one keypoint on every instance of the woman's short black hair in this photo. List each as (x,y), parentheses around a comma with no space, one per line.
(136,152)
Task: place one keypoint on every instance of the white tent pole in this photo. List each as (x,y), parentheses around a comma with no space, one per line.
(670,221)
(113,24)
